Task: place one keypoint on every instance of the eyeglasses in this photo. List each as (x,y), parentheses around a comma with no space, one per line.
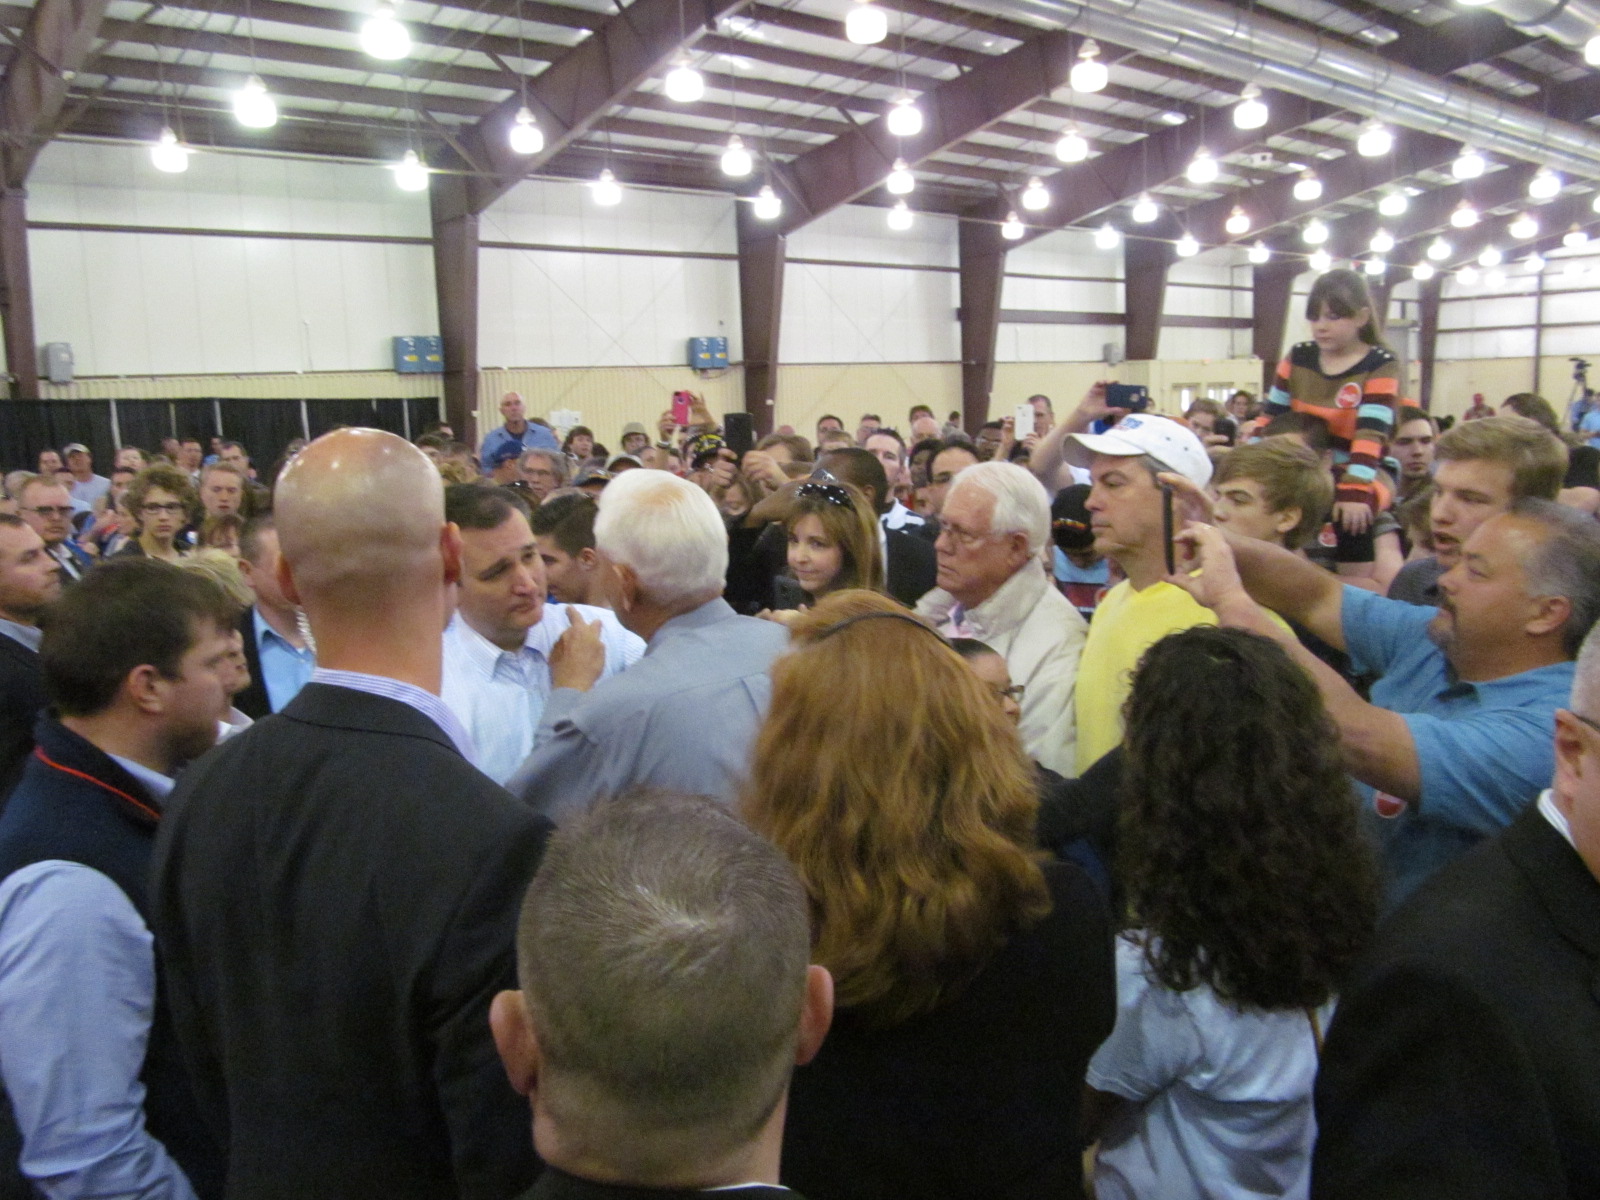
(828,493)
(1014,692)
(51,510)
(963,537)
(1594,725)
(154,508)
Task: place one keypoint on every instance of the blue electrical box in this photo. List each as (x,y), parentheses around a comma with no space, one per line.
(708,354)
(419,356)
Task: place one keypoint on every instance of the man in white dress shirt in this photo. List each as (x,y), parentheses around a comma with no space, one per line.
(504,651)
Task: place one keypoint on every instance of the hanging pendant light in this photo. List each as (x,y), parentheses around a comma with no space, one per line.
(167,154)
(1574,238)
(1394,204)
(1534,263)
(1467,276)
(736,160)
(1089,74)
(1491,257)
(683,83)
(1439,250)
(1186,246)
(1382,242)
(1260,253)
(900,181)
(605,190)
(1035,196)
(767,206)
(1494,278)
(1464,216)
(1250,112)
(1423,272)
(1545,184)
(1314,233)
(905,118)
(1524,227)
(1308,187)
(900,217)
(1107,237)
(1469,164)
(1320,260)
(1376,140)
(1238,222)
(253,106)
(411,173)
(1374,266)
(1144,209)
(1591,51)
(1202,167)
(525,136)
(865,24)
(1073,146)
(1012,228)
(384,37)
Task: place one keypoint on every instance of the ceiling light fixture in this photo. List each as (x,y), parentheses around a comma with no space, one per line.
(1524,227)
(1073,146)
(606,190)
(1423,272)
(525,136)
(900,181)
(865,24)
(736,160)
(900,218)
(1534,263)
(1202,167)
(1376,140)
(1250,112)
(1464,216)
(1439,250)
(1035,196)
(384,37)
(1144,209)
(1260,253)
(1013,228)
(1469,164)
(1545,184)
(1186,246)
(1315,233)
(905,118)
(1467,276)
(1382,242)
(253,106)
(1107,237)
(1238,222)
(1308,187)
(1394,204)
(1320,261)
(1374,266)
(1591,51)
(684,84)
(766,206)
(1574,238)
(1089,74)
(1491,257)
(411,173)
(166,154)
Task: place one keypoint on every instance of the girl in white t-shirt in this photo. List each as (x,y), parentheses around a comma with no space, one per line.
(1251,893)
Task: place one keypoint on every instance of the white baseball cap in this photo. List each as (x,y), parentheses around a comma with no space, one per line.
(1169,442)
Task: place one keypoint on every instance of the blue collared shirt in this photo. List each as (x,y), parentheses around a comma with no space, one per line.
(683,718)
(285,667)
(1484,750)
(534,437)
(500,694)
(409,694)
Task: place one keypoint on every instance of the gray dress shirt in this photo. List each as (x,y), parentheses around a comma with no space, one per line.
(683,717)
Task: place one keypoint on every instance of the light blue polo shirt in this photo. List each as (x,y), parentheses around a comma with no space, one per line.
(1485,749)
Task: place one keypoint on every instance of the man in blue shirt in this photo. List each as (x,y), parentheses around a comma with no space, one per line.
(517,431)
(135,661)
(1457,739)
(280,658)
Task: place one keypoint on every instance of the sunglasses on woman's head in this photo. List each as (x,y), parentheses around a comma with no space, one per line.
(829,493)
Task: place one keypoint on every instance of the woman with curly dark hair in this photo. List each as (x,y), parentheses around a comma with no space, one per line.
(1251,892)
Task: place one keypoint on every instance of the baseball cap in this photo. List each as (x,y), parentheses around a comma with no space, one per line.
(1069,518)
(74,448)
(630,460)
(1170,443)
(593,475)
(633,427)
(505,453)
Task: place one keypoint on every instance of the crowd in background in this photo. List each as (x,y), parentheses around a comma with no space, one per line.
(907,809)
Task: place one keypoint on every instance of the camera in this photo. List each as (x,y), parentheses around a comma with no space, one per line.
(1580,369)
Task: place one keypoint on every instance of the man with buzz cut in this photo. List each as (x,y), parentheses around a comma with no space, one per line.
(666,998)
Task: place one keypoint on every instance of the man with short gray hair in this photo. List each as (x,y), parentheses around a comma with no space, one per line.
(667,994)
(992,586)
(684,716)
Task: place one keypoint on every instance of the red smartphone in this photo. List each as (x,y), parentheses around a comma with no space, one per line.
(682,405)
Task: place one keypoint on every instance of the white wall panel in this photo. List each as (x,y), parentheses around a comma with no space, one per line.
(1194,345)
(835,314)
(561,213)
(860,235)
(1054,343)
(1494,343)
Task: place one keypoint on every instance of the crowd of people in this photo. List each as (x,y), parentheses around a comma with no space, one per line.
(1130,805)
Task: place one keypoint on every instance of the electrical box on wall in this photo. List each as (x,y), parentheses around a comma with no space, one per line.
(418,356)
(55,361)
(708,353)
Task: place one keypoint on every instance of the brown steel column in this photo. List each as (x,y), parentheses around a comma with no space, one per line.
(1145,265)
(761,258)
(981,253)
(1428,336)
(455,276)
(1271,285)
(16,296)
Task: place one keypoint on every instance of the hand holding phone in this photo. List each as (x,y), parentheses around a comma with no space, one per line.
(682,403)
(1022,422)
(1134,397)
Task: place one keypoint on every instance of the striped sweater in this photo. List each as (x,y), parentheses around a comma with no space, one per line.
(1358,406)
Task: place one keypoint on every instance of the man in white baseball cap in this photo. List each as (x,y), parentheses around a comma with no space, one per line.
(1125,514)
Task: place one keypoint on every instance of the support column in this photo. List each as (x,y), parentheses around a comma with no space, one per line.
(761,259)
(1428,337)
(1271,286)
(1145,265)
(455,275)
(982,257)
(16,296)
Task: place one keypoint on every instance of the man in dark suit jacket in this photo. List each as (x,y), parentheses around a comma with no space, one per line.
(666,998)
(1464,1060)
(270,625)
(29,583)
(335,889)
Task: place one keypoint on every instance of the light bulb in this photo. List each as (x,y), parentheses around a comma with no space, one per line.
(900,217)
(1250,112)
(1238,222)
(1491,257)
(1320,261)
(1469,164)
(1382,242)
(1524,227)
(1107,237)
(1423,272)
(1308,187)
(900,181)
(1089,74)
(767,206)
(1375,141)
(1202,167)
(1315,233)
(1374,266)
(1534,263)
(1260,253)
(1464,216)
(684,84)
(1035,196)
(1187,247)
(167,155)
(411,173)
(384,37)
(1494,278)
(1467,276)
(1073,146)
(605,189)
(253,106)
(1575,237)
(865,25)
(1591,51)
(1394,204)
(1545,184)
(1439,250)
(1144,209)
(905,118)
(1596,205)
(1013,228)
(525,135)
(736,160)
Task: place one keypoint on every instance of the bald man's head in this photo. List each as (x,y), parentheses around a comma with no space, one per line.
(360,513)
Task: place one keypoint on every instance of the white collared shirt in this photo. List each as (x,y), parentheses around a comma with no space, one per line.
(500,694)
(1548,809)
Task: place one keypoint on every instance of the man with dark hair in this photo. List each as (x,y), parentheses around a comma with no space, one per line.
(136,665)
(506,649)
(191,457)
(870,422)
(666,998)
(29,585)
(889,448)
(564,528)
(221,489)
(1044,416)
(828,423)
(1412,447)
(543,471)
(334,888)
(952,456)
(990,435)
(281,662)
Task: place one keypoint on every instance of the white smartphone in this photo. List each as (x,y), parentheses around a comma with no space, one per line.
(1023,420)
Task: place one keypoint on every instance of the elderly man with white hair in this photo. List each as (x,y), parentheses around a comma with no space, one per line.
(992,586)
(682,718)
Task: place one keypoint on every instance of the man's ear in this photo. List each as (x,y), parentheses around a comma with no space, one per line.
(450,551)
(1549,615)
(515,1039)
(142,686)
(627,593)
(286,581)
(588,558)
(816,1014)
(1286,519)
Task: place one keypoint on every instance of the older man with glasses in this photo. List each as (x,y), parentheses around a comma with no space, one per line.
(47,507)
(992,586)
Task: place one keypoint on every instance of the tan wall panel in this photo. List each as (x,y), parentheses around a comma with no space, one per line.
(606,398)
(311,385)
(1455,381)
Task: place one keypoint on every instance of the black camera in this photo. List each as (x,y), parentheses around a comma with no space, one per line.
(1580,369)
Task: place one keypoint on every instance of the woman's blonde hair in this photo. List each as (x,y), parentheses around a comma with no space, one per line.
(852,526)
(897,787)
